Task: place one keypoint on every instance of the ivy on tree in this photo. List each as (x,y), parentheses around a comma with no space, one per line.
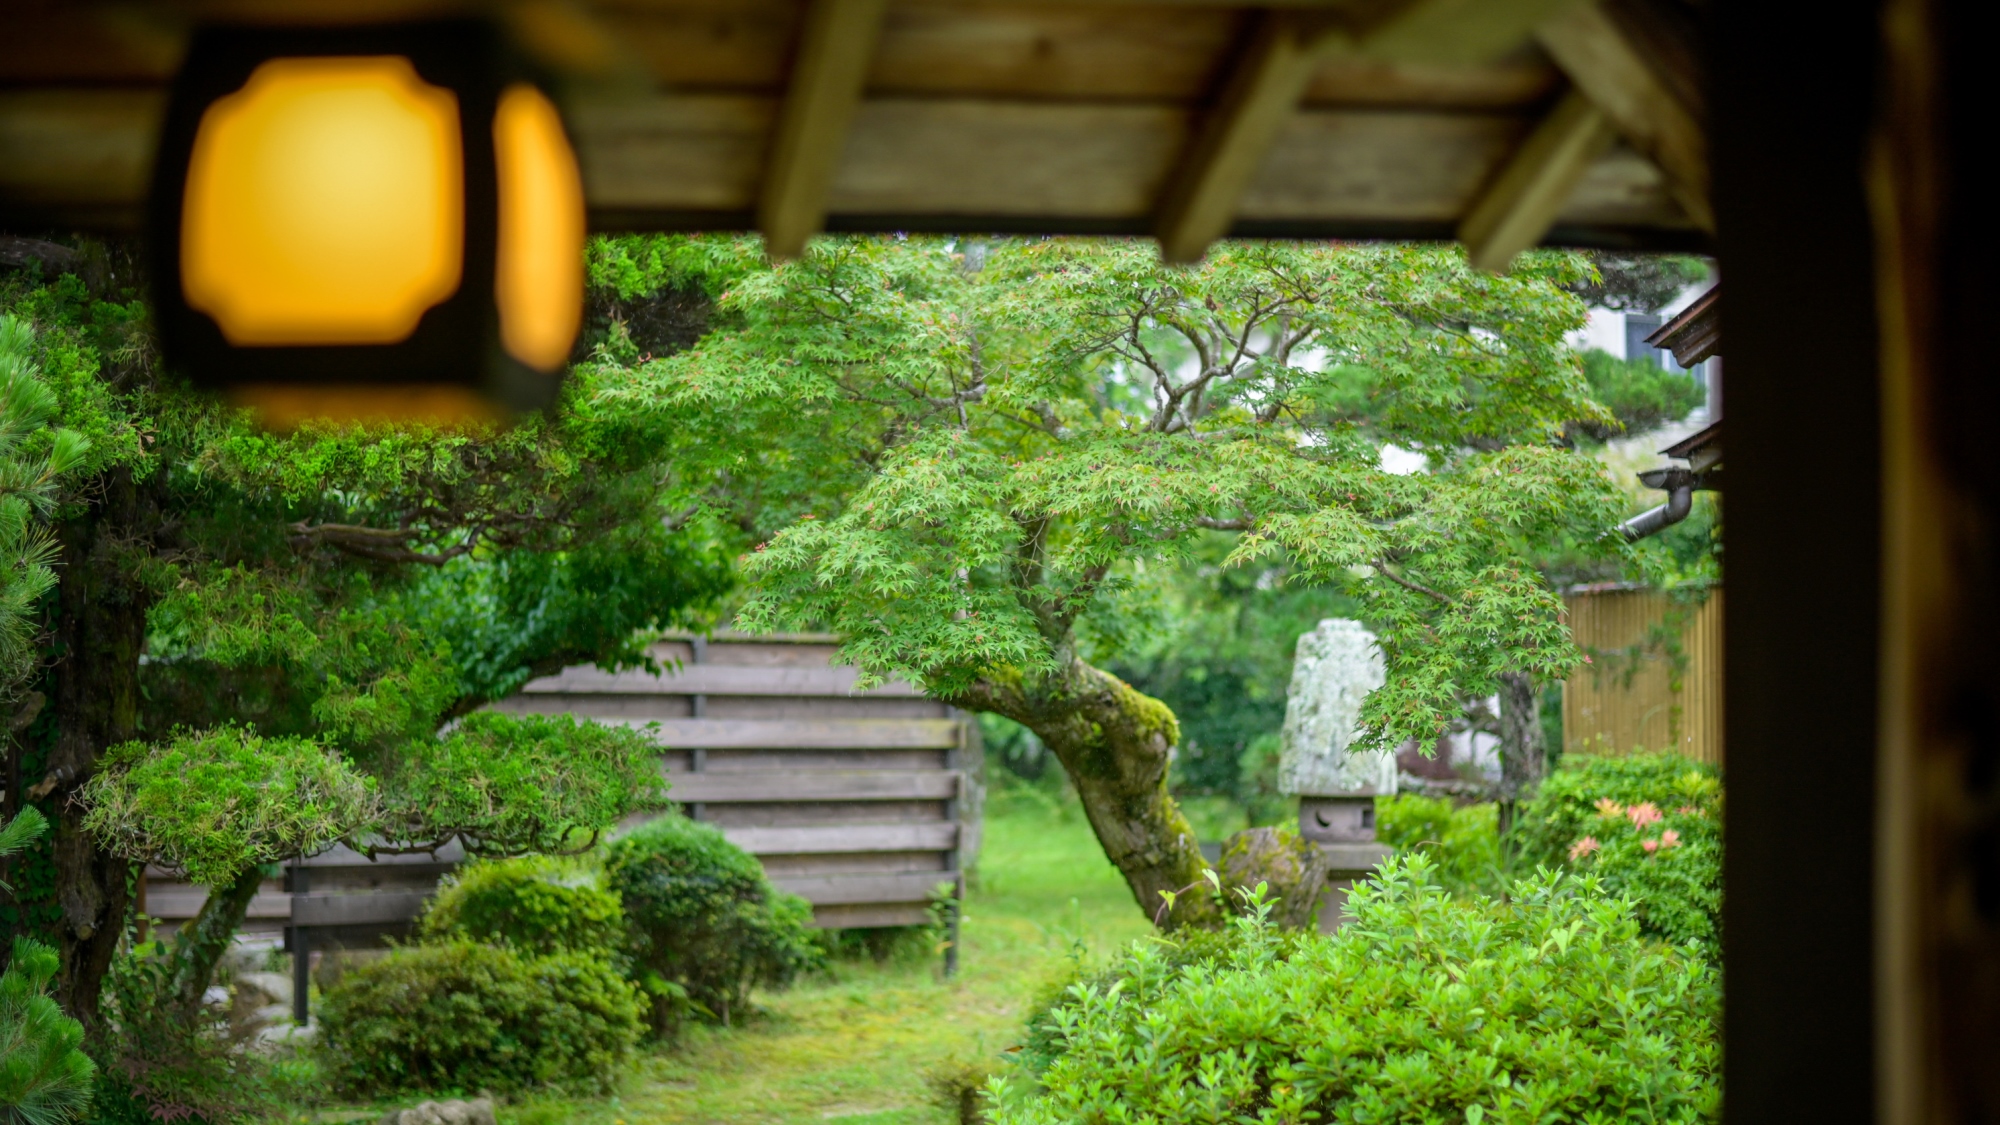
(1002,436)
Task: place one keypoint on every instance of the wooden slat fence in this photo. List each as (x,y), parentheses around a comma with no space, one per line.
(864,803)
(1631,696)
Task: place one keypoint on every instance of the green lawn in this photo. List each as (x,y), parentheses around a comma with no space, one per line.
(858,1046)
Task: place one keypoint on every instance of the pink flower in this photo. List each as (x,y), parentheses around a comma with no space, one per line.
(1608,808)
(1651,846)
(1670,839)
(1583,848)
(1643,814)
(1688,810)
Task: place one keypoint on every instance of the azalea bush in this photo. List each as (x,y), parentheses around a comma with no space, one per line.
(1649,826)
(1464,842)
(1426,1007)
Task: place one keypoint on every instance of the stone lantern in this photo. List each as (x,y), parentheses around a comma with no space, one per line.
(1336,666)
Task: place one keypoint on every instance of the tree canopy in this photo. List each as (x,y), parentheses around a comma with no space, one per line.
(1002,436)
(294,617)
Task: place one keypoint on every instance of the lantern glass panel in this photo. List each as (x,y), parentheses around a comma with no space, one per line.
(539,276)
(325,204)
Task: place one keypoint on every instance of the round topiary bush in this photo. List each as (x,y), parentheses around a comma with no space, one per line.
(705,925)
(535,904)
(1425,1007)
(463,1016)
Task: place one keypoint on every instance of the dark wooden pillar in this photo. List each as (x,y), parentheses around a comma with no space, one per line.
(1794,91)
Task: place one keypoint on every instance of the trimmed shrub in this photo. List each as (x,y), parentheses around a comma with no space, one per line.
(1426,1007)
(705,925)
(463,1016)
(1649,826)
(536,904)
(1464,842)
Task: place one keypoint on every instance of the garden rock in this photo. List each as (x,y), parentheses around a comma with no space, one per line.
(1294,868)
(1337,665)
(478,1111)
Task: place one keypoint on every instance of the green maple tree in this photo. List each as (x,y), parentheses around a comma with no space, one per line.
(992,441)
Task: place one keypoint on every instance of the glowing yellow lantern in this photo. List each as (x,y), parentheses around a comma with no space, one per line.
(373,223)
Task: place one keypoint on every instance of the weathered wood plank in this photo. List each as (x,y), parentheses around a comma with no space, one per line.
(766,814)
(1450,32)
(357,909)
(79,157)
(822,707)
(802,734)
(831,63)
(1522,202)
(1101,163)
(824,785)
(1007,158)
(180,903)
(789,761)
(863,916)
(842,889)
(844,838)
(1516,82)
(689,152)
(1378,166)
(718,679)
(854,863)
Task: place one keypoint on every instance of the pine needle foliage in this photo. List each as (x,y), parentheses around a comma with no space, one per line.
(215,803)
(507,784)
(45,1078)
(35,456)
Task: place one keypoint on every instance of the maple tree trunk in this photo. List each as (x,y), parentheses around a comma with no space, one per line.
(1524,751)
(1116,742)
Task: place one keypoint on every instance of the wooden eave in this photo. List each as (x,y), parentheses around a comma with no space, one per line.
(1695,333)
(1387,118)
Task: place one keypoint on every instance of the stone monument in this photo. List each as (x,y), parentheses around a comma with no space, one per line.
(1336,666)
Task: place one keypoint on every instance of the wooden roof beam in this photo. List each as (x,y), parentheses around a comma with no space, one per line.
(1261,92)
(1264,88)
(835,48)
(1605,60)
(1520,203)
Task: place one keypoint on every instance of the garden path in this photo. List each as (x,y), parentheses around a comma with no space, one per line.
(857,1047)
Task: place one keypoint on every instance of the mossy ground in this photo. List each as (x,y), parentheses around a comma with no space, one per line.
(858,1046)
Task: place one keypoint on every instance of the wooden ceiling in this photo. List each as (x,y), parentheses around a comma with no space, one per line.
(1505,122)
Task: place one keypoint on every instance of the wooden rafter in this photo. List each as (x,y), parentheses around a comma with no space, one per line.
(1264,88)
(1452,32)
(1261,93)
(1634,87)
(1520,203)
(819,105)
